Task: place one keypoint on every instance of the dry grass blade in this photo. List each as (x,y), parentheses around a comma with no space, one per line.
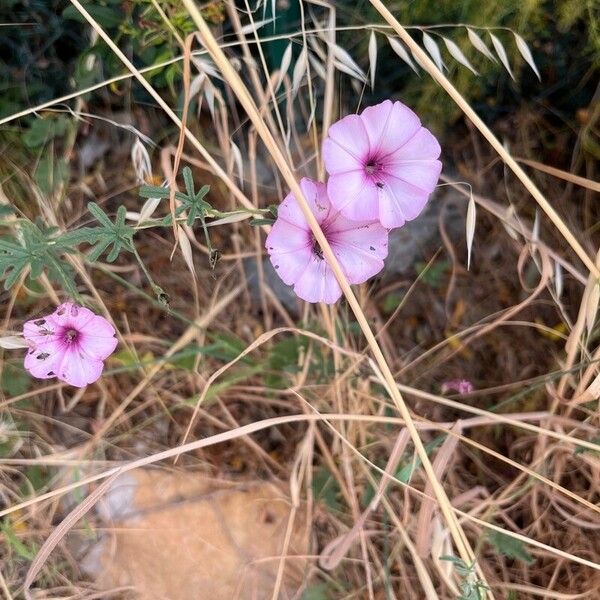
(232,77)
(61,530)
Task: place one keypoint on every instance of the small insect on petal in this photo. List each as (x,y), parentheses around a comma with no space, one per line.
(470,228)
(526,54)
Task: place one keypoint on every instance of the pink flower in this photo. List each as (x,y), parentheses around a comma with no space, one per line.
(382,164)
(70,344)
(360,247)
(460,386)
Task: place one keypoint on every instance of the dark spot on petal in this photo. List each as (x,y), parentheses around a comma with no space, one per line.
(379,185)
(50,373)
(74,311)
(371,248)
(276,266)
(39,322)
(60,312)
(43,356)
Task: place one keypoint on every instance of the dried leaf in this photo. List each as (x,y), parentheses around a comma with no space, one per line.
(470,228)
(186,250)
(286,60)
(558,279)
(501,52)
(372,58)
(345,69)
(237,157)
(592,308)
(526,54)
(254,26)
(399,49)
(535,231)
(458,55)
(479,45)
(434,50)
(148,209)
(348,62)
(13,342)
(317,66)
(299,71)
(141,161)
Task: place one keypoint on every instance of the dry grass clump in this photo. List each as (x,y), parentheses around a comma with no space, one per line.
(234,381)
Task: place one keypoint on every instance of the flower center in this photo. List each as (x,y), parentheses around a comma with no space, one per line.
(71,335)
(371,166)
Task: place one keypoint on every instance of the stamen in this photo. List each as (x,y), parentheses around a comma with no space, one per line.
(70,335)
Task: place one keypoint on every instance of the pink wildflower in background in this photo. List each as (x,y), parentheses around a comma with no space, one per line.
(460,386)
(360,246)
(69,344)
(382,164)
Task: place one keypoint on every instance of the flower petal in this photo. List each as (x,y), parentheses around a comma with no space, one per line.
(422,146)
(399,202)
(422,174)
(97,338)
(354,195)
(77,369)
(43,363)
(316,195)
(317,283)
(346,147)
(39,331)
(71,315)
(389,126)
(360,248)
(290,265)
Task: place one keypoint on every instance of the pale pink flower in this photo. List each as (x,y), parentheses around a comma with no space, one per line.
(359,246)
(460,386)
(382,164)
(69,344)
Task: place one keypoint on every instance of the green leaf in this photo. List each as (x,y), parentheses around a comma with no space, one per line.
(43,130)
(117,235)
(14,380)
(317,591)
(106,16)
(259,222)
(510,547)
(325,487)
(38,250)
(15,543)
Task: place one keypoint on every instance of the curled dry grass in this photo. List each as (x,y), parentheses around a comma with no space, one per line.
(526,466)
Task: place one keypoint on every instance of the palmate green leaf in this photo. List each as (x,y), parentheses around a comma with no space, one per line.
(36,250)
(117,235)
(192,202)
